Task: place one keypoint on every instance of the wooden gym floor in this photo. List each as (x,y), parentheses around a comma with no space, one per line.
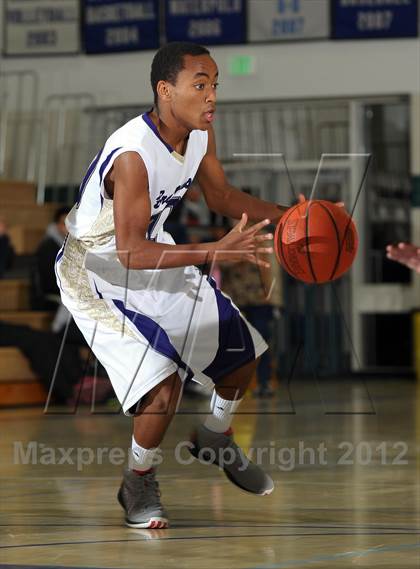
(351,499)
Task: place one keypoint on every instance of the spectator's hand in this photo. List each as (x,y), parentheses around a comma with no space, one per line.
(242,244)
(3,227)
(405,253)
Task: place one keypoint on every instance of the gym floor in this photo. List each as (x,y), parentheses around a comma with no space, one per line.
(344,457)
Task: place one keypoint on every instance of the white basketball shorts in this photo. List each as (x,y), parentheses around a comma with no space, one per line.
(145,325)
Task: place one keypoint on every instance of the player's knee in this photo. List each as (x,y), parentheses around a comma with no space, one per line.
(164,397)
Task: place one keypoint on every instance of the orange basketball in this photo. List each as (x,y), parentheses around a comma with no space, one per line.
(316,241)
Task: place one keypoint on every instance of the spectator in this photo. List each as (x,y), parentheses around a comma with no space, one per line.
(42,349)
(46,253)
(258,294)
(46,293)
(7,253)
(50,295)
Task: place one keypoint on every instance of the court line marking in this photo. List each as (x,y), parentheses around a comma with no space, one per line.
(5,566)
(344,555)
(296,563)
(178,524)
(209,537)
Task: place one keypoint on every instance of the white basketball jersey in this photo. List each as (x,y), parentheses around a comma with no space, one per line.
(169,174)
(142,324)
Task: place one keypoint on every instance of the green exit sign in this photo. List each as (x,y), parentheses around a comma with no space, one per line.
(241,65)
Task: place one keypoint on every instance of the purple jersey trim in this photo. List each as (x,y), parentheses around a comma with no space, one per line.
(151,124)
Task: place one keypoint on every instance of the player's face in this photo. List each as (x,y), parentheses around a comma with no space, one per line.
(193,99)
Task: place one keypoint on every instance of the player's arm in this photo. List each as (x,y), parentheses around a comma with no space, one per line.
(227,200)
(132,210)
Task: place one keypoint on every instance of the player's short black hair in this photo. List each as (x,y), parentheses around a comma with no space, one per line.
(169,61)
(60,212)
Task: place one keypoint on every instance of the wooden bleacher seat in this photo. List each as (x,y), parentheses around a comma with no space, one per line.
(19,393)
(28,215)
(14,294)
(16,192)
(14,366)
(34,319)
(25,219)
(18,384)
(27,222)
(25,240)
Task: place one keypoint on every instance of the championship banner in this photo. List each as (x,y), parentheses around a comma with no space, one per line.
(35,27)
(285,20)
(374,19)
(209,22)
(120,25)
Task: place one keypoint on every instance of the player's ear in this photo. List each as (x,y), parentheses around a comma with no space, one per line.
(163,90)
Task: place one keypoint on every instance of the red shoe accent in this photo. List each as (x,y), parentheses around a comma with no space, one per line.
(229,432)
(142,472)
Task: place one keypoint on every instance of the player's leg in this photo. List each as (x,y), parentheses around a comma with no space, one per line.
(155,412)
(139,493)
(223,346)
(216,435)
(148,387)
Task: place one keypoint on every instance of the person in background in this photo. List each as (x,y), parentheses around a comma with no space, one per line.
(42,348)
(7,253)
(257,291)
(46,283)
(49,298)
(47,292)
(405,253)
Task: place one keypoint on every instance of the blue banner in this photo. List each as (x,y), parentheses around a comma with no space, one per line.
(120,25)
(374,19)
(209,22)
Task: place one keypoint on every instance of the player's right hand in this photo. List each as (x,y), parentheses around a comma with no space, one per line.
(242,244)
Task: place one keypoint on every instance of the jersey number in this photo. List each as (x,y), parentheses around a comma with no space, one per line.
(158,219)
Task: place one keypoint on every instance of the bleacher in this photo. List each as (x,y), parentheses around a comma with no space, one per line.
(26,222)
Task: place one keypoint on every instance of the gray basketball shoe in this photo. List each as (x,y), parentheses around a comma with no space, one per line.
(220,449)
(140,498)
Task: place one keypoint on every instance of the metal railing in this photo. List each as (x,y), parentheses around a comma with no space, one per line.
(65,140)
(19,91)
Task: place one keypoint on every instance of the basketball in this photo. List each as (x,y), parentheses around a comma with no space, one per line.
(316,241)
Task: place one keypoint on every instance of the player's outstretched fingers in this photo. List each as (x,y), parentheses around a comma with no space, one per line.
(258,226)
(264,237)
(254,259)
(265,250)
(240,226)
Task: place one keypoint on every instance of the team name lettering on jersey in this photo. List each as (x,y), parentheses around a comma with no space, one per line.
(163,198)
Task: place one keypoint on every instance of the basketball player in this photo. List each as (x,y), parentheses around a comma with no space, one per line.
(151,318)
